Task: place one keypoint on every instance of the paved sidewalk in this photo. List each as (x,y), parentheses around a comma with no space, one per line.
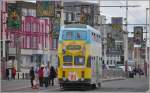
(8,85)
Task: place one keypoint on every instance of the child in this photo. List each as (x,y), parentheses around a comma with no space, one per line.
(35,86)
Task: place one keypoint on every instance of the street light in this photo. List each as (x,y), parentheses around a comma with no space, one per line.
(18,52)
(146,52)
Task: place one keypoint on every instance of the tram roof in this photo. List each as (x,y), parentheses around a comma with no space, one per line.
(79,27)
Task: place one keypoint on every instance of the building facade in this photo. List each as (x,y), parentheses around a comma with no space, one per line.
(81,12)
(114,47)
(33,42)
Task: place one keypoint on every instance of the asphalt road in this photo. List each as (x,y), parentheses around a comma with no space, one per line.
(128,85)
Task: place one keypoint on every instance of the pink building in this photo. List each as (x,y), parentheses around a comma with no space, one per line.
(34,37)
(33,40)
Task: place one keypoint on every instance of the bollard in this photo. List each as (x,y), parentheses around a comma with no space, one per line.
(18,75)
(22,75)
(25,75)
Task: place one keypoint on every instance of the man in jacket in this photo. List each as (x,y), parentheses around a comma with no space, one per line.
(32,76)
(40,74)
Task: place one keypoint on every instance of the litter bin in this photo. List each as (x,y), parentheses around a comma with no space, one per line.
(131,74)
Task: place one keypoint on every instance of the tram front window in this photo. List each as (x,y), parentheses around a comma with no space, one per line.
(79,60)
(74,35)
(81,35)
(67,60)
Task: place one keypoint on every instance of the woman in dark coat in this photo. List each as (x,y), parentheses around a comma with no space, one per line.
(52,75)
(7,73)
(32,75)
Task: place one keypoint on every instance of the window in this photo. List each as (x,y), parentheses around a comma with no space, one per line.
(107,62)
(65,16)
(27,27)
(68,35)
(81,35)
(94,36)
(31,42)
(79,60)
(67,58)
(31,12)
(97,38)
(24,12)
(28,42)
(34,27)
(110,61)
(34,42)
(74,35)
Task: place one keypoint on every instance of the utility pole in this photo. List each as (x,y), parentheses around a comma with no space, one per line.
(146,52)
(0,27)
(18,52)
(149,38)
(3,28)
(62,14)
(126,42)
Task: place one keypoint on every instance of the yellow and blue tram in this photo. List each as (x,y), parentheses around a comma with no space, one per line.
(79,56)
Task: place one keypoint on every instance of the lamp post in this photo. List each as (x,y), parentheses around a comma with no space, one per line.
(18,52)
(146,52)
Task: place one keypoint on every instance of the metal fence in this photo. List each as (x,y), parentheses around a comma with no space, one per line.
(112,73)
(21,75)
(106,74)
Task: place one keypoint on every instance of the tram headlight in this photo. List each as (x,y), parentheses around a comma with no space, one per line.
(82,79)
(64,78)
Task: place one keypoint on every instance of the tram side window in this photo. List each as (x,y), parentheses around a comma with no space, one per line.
(97,38)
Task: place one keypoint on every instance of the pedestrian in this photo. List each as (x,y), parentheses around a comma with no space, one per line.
(32,76)
(35,86)
(52,75)
(140,72)
(13,73)
(36,68)
(46,74)
(40,74)
(7,73)
(135,71)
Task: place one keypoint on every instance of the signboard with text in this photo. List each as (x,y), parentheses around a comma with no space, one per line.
(117,23)
(45,8)
(13,20)
(138,35)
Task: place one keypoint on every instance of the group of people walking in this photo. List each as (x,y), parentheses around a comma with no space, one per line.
(44,75)
(138,71)
(10,73)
